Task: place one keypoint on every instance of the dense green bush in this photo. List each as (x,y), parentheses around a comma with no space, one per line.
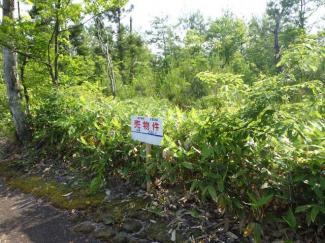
(6,125)
(258,153)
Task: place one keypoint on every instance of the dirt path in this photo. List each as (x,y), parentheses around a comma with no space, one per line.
(25,219)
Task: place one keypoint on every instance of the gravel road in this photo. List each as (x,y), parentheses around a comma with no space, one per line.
(26,219)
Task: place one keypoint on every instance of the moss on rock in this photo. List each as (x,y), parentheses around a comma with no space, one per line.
(52,191)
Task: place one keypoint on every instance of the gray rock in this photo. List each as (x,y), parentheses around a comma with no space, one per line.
(97,218)
(121,239)
(84,227)
(75,217)
(106,234)
(157,232)
(108,221)
(136,214)
(132,226)
(232,235)
(100,216)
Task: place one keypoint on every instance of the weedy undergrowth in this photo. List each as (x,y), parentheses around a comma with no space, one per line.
(258,152)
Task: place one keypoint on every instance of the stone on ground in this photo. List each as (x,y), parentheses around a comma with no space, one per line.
(84,227)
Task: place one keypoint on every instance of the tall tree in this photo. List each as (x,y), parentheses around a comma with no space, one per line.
(193,21)
(226,36)
(103,41)
(305,9)
(116,14)
(166,43)
(278,11)
(12,81)
(259,38)
(56,41)
(162,36)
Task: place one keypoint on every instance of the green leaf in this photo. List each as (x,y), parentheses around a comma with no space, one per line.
(319,193)
(103,139)
(172,178)
(194,184)
(96,184)
(274,218)
(206,152)
(212,192)
(290,219)
(82,99)
(83,141)
(188,165)
(238,151)
(96,125)
(237,203)
(164,176)
(241,214)
(303,208)
(322,208)
(251,197)
(220,183)
(314,213)
(213,175)
(308,217)
(257,233)
(194,213)
(322,182)
(249,229)
(241,172)
(263,201)
(116,123)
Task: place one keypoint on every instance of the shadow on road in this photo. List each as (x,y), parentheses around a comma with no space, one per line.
(25,219)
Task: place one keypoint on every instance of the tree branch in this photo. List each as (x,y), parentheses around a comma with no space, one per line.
(29,55)
(83,23)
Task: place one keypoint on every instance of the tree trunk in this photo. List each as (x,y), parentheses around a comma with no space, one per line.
(22,78)
(12,83)
(105,50)
(56,39)
(131,24)
(110,73)
(120,48)
(131,75)
(302,18)
(277,48)
(22,73)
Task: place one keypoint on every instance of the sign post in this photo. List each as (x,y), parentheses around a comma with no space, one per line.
(148,151)
(148,130)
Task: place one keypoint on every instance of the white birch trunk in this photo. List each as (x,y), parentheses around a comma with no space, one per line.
(12,83)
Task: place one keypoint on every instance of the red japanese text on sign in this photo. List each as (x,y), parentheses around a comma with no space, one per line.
(146,125)
(147,129)
(155,126)
(137,124)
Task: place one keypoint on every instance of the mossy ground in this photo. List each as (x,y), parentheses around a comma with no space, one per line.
(54,192)
(4,170)
(65,197)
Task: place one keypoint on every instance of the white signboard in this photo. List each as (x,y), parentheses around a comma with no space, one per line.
(147,129)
